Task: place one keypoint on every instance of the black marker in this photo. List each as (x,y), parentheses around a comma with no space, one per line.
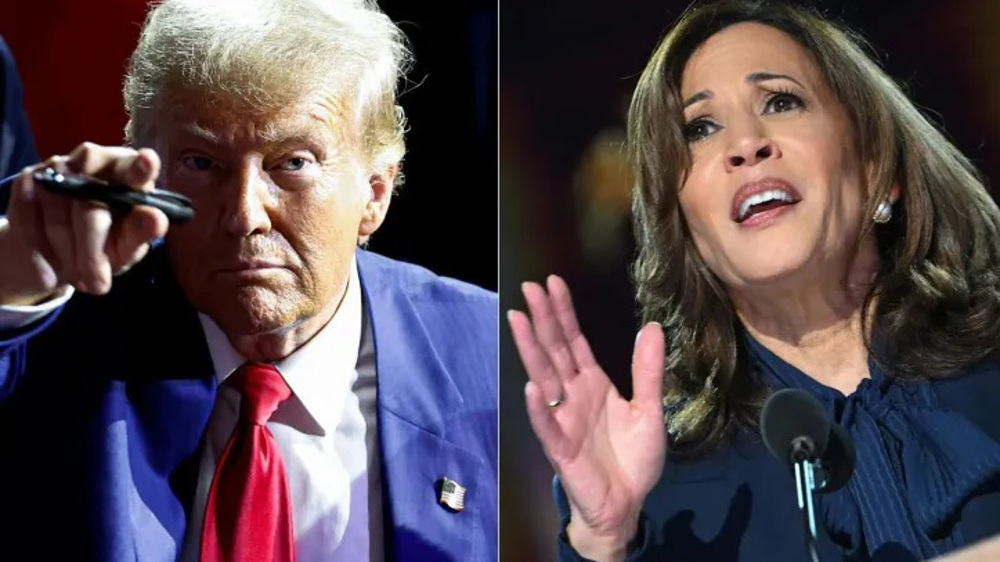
(119,197)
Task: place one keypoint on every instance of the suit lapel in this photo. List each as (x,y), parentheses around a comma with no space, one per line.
(417,398)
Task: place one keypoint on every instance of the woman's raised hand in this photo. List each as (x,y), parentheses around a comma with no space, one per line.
(608,451)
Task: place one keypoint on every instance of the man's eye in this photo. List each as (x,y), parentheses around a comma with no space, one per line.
(200,163)
(294,164)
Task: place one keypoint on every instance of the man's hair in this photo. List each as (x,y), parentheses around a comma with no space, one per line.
(267,54)
(934,302)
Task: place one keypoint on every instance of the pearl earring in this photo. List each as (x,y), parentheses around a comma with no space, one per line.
(883,213)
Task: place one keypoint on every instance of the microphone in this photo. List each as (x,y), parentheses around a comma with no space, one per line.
(794,426)
(821,453)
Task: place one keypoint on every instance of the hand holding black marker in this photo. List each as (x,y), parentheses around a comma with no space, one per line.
(81,219)
(175,206)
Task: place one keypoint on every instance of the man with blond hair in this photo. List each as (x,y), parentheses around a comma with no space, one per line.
(256,386)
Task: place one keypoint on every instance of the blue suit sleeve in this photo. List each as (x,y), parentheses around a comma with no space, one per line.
(13,356)
(637,548)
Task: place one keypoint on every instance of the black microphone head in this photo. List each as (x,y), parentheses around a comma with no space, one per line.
(838,459)
(792,420)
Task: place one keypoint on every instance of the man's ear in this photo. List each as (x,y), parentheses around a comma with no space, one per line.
(380,186)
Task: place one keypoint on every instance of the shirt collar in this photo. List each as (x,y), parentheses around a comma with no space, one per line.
(322,371)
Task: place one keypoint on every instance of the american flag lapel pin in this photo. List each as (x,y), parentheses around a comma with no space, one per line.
(452,495)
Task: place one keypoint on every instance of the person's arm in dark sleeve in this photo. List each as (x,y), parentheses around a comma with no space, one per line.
(17,142)
(17,326)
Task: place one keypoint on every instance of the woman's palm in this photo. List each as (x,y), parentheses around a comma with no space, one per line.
(607,451)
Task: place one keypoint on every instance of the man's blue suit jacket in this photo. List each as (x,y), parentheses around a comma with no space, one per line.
(102,410)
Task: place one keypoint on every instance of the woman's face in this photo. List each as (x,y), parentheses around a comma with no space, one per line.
(775,192)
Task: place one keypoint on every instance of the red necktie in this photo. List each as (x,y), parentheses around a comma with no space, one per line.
(248,516)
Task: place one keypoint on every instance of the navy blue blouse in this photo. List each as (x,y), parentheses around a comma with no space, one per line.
(916,462)
(927,479)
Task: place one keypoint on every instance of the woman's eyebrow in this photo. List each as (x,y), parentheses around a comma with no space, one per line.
(760,76)
(700,96)
(752,78)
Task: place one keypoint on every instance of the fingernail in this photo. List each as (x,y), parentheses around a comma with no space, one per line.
(639,333)
(141,166)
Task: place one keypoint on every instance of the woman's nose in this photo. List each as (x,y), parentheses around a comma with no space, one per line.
(751,156)
(749,145)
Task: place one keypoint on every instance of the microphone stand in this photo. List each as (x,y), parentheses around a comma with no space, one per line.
(806,485)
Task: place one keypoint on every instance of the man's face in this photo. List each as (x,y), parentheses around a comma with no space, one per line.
(280,200)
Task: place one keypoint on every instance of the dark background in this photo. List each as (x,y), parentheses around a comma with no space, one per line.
(72,54)
(567,70)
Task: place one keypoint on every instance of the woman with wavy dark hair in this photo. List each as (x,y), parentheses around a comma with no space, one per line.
(800,225)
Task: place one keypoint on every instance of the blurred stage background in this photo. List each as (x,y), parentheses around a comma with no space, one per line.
(71,56)
(567,70)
